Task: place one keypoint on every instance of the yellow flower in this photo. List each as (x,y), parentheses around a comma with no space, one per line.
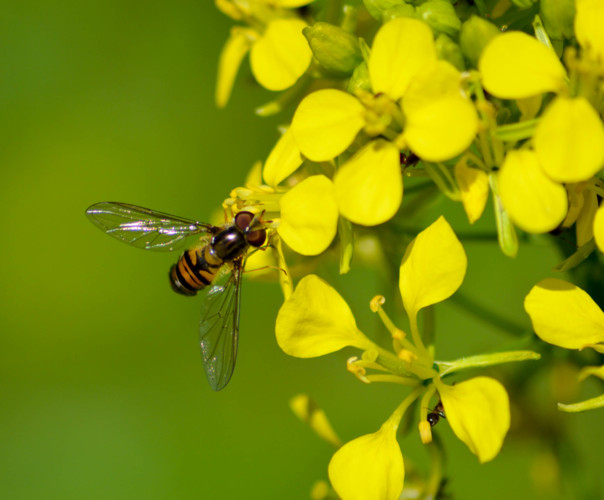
(369,467)
(438,120)
(316,320)
(279,53)
(478,411)
(599,228)
(474,189)
(564,315)
(434,119)
(569,138)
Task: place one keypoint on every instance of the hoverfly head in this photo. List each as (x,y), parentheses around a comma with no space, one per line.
(252,227)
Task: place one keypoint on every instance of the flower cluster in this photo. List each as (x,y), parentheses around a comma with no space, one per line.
(395,98)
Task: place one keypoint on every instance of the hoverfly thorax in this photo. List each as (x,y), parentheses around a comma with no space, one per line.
(232,242)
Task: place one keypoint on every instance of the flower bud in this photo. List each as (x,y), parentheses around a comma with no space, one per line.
(448,50)
(359,79)
(404,10)
(558,17)
(336,50)
(475,34)
(377,7)
(440,15)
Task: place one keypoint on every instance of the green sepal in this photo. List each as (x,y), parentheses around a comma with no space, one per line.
(576,258)
(506,233)
(346,244)
(515,132)
(448,50)
(589,404)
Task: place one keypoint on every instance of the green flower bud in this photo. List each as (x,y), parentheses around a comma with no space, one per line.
(475,34)
(523,4)
(405,10)
(558,18)
(359,79)
(448,50)
(441,16)
(377,7)
(336,50)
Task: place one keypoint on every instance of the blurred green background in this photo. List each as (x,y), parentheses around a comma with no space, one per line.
(103,390)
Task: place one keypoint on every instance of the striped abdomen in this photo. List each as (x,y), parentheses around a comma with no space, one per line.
(195,270)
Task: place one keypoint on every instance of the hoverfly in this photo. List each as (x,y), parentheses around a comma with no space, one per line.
(214,256)
(436,414)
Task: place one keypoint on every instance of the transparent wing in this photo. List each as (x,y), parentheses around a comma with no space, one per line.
(144,228)
(219,328)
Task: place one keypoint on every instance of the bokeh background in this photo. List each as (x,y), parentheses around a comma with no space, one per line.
(103,393)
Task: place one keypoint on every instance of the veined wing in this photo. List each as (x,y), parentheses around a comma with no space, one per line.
(219,329)
(144,228)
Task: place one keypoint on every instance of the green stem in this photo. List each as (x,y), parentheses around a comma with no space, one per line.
(482,360)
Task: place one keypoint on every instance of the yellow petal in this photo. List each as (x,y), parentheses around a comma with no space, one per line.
(569,140)
(326,122)
(232,53)
(401,48)
(474,187)
(283,160)
(515,65)
(315,321)
(532,200)
(289,4)
(564,315)
(433,267)
(599,228)
(478,411)
(369,467)
(585,221)
(440,122)
(309,216)
(281,55)
(588,27)
(369,186)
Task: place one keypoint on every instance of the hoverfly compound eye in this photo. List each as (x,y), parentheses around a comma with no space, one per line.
(243,220)
(256,238)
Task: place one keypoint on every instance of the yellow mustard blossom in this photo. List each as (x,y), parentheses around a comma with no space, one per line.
(564,315)
(599,228)
(478,411)
(279,53)
(474,189)
(568,141)
(416,103)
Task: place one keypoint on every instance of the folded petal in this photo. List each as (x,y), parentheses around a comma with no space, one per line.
(433,267)
(283,160)
(326,122)
(532,200)
(309,216)
(231,56)
(369,467)
(474,187)
(478,411)
(440,121)
(564,315)
(515,65)
(569,140)
(369,186)
(401,49)
(315,321)
(599,228)
(281,55)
